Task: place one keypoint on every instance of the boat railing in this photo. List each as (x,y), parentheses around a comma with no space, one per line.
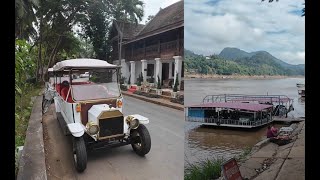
(230,121)
(273,99)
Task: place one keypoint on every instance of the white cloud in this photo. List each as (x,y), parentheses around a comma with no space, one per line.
(294,57)
(248,25)
(152,7)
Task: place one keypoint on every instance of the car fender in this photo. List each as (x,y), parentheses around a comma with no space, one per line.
(142,119)
(76,129)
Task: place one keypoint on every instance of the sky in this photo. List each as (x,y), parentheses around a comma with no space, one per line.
(250,25)
(152,7)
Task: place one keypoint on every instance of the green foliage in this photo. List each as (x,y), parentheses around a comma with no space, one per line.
(159,83)
(24,65)
(99,15)
(25,16)
(260,63)
(175,87)
(206,170)
(123,87)
(128,10)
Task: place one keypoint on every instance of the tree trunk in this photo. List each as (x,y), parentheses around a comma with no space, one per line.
(54,52)
(120,44)
(39,51)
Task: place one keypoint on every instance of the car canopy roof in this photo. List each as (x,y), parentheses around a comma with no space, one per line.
(82,63)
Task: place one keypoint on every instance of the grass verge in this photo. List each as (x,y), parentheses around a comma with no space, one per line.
(210,169)
(205,170)
(23,108)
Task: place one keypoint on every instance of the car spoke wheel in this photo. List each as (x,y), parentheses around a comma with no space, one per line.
(79,154)
(141,141)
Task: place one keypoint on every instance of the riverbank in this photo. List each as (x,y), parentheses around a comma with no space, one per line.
(216,76)
(270,161)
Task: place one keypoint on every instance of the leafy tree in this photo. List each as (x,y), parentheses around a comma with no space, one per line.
(25,16)
(100,13)
(128,10)
(150,17)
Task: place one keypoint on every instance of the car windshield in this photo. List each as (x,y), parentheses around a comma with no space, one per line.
(99,84)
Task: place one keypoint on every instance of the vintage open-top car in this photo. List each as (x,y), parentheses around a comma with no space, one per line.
(92,109)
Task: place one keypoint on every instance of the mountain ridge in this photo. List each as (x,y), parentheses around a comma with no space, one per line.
(236,61)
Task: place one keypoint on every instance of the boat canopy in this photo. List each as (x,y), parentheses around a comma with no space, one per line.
(50,69)
(234,105)
(82,63)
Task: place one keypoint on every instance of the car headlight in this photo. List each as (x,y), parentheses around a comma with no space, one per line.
(119,103)
(133,123)
(92,128)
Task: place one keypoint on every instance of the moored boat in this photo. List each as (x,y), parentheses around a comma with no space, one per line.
(238,110)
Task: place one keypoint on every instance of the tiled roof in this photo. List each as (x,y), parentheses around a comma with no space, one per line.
(164,19)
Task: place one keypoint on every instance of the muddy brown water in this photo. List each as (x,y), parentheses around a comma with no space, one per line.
(207,142)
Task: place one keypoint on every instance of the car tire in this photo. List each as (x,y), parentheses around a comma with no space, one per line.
(79,154)
(141,134)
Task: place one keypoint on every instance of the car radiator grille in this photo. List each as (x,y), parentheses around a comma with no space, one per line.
(111,126)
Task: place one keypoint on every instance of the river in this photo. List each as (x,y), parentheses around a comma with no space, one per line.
(208,142)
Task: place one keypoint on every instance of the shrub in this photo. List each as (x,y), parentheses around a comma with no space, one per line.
(206,170)
(123,87)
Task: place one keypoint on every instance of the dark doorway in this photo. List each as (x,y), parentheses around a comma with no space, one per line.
(182,69)
(165,71)
(172,69)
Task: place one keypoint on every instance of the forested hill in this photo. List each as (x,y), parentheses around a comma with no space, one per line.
(235,61)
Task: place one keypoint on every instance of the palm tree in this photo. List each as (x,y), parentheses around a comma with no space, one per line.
(25,16)
(129,10)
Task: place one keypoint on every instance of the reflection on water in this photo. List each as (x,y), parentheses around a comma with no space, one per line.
(209,142)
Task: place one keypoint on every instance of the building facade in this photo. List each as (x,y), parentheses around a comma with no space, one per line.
(155,49)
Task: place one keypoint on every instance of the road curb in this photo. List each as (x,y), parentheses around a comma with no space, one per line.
(153,101)
(32,162)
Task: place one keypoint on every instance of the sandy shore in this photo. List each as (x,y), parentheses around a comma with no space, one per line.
(216,76)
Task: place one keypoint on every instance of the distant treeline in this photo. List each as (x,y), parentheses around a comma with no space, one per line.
(258,64)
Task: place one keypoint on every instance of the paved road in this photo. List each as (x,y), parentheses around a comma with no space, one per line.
(164,161)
